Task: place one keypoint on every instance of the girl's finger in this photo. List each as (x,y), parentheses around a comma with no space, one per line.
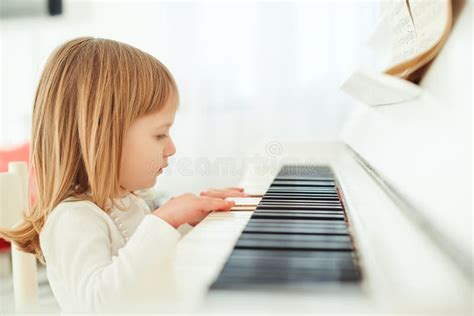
(235,189)
(237,193)
(219,204)
(213,200)
(214,193)
(224,193)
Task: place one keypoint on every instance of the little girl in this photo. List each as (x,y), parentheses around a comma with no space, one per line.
(101,131)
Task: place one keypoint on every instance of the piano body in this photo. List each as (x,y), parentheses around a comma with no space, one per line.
(404,176)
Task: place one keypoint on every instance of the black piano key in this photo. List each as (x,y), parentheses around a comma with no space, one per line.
(233,277)
(304,171)
(278,191)
(302,206)
(271,192)
(300,190)
(302,203)
(325,190)
(293,244)
(297,222)
(293,216)
(312,192)
(306,183)
(326,186)
(289,225)
(305,238)
(236,283)
(321,213)
(305,179)
(295,230)
(279,254)
(329,213)
(270,269)
(289,206)
(312,196)
(268,264)
(294,274)
(297,201)
(322,197)
(282,229)
(299,207)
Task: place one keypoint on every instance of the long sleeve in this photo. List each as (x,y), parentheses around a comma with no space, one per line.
(82,269)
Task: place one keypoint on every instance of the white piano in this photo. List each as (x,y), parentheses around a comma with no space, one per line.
(404,173)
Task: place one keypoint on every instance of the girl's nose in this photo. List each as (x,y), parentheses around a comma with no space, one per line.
(170,148)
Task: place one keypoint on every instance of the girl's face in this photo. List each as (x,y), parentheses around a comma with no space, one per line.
(147,146)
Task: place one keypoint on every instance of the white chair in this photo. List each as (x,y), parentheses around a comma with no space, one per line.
(13,200)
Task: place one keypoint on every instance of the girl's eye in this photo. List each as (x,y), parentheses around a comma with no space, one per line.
(161,136)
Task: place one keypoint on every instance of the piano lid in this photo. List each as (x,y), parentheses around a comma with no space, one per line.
(420,148)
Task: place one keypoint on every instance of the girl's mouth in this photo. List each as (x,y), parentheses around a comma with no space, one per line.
(160,171)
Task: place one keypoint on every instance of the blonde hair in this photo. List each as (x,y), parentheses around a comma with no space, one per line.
(89,93)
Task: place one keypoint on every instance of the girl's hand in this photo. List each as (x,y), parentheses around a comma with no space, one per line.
(191,209)
(225,193)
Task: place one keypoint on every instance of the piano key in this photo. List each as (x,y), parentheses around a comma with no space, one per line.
(293,244)
(335,207)
(290,226)
(257,275)
(288,216)
(298,201)
(327,264)
(305,238)
(300,190)
(322,187)
(304,172)
(299,211)
(278,254)
(276,191)
(297,222)
(243,208)
(244,201)
(306,183)
(256,194)
(298,207)
(290,271)
(309,197)
(315,205)
(295,178)
(303,194)
(232,279)
(295,230)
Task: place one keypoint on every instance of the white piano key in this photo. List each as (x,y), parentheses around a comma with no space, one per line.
(244,201)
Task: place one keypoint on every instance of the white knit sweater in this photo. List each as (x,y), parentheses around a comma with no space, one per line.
(89,264)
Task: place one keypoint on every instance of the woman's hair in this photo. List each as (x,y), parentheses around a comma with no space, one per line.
(89,93)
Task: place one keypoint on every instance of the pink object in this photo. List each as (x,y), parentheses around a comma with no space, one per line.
(16,153)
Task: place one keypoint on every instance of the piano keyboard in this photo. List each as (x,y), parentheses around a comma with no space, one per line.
(298,235)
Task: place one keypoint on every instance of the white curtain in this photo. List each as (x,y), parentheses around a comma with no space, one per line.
(248,72)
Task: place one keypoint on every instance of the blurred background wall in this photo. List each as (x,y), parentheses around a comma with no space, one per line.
(249,72)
